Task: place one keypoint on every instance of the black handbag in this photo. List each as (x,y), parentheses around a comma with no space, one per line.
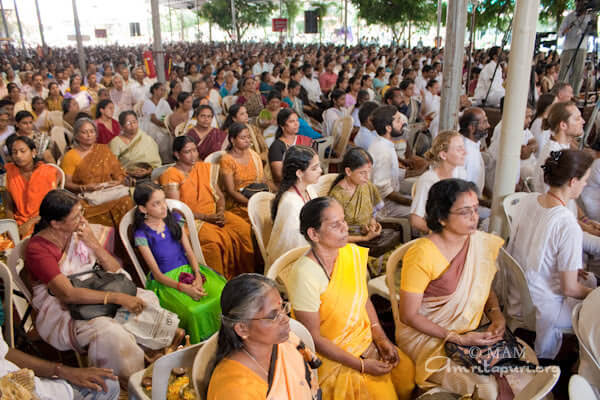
(254,188)
(492,359)
(103,281)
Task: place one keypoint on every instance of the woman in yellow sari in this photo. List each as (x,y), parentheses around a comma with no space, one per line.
(91,167)
(328,292)
(442,300)
(240,167)
(257,357)
(224,237)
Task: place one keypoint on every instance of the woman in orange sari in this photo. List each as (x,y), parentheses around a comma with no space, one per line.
(28,180)
(257,357)
(240,167)
(328,292)
(224,237)
(93,170)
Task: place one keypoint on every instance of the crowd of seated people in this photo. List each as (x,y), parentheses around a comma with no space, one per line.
(261,114)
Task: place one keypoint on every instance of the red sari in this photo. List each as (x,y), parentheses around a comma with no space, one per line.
(211,143)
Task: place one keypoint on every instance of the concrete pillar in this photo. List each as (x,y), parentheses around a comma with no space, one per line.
(456,21)
(157,50)
(19,24)
(80,53)
(6,33)
(39,17)
(515,104)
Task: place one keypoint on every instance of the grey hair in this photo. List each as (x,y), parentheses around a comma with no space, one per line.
(79,124)
(5,111)
(242,298)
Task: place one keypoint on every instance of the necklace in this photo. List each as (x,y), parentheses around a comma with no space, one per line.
(255,361)
(300,194)
(557,198)
(321,264)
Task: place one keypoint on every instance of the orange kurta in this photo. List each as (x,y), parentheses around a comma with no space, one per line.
(229,249)
(27,195)
(98,166)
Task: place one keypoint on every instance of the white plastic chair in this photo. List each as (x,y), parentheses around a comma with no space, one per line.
(587,353)
(215,157)
(342,129)
(303,334)
(7,281)
(259,212)
(511,203)
(61,184)
(278,269)
(176,205)
(323,185)
(158,171)
(15,264)
(137,109)
(541,384)
(580,389)
(228,101)
(381,285)
(183,358)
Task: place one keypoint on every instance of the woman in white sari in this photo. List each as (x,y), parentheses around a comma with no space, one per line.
(64,244)
(301,168)
(155,110)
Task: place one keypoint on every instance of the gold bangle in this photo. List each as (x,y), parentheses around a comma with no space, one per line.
(106,298)
(362,365)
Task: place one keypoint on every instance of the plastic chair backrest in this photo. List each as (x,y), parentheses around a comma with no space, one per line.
(61,184)
(228,101)
(515,276)
(183,358)
(158,171)
(323,185)
(511,204)
(587,353)
(390,279)
(15,263)
(127,222)
(580,388)
(203,365)
(215,157)
(541,384)
(259,212)
(7,281)
(279,267)
(183,127)
(342,128)
(58,135)
(55,118)
(302,333)
(137,109)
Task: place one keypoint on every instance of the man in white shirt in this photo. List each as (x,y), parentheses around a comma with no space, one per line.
(573,27)
(37,88)
(485,80)
(121,96)
(366,133)
(311,84)
(389,124)
(563,92)
(261,66)
(140,85)
(421,81)
(55,381)
(474,127)
(431,98)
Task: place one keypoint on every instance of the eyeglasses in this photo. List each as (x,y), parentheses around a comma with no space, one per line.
(285,310)
(466,211)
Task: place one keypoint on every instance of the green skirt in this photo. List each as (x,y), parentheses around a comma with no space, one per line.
(200,319)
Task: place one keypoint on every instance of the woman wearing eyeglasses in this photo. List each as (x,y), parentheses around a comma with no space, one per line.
(328,292)
(257,356)
(445,290)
